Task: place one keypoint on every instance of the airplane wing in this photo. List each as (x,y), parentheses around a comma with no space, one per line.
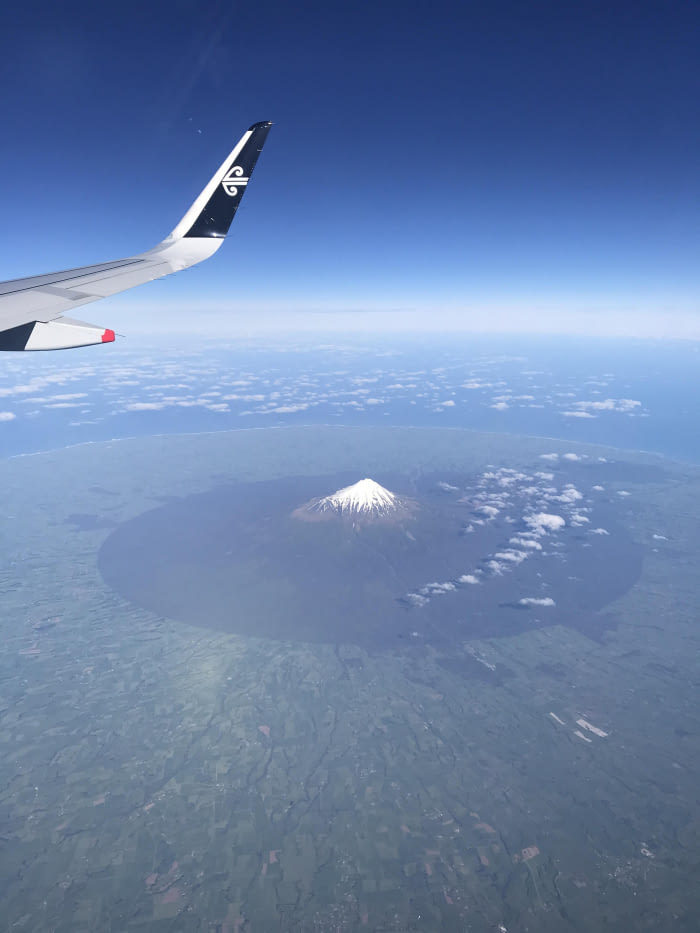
(32,310)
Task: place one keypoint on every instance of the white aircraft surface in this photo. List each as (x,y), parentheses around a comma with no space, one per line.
(32,310)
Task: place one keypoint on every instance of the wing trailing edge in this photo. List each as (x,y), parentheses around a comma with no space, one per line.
(61,334)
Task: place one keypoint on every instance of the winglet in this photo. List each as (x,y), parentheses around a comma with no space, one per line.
(212,212)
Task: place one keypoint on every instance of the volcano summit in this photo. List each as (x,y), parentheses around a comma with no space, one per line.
(365,500)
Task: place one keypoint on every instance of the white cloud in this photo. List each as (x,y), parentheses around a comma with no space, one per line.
(65,405)
(625,405)
(526,542)
(577,414)
(543,522)
(468,578)
(569,494)
(549,456)
(64,397)
(416,599)
(574,457)
(437,589)
(500,406)
(7,416)
(513,557)
(578,519)
(535,601)
(495,567)
(286,409)
(623,493)
(599,531)
(504,476)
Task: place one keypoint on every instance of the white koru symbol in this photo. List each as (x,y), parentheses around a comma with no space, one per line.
(232,180)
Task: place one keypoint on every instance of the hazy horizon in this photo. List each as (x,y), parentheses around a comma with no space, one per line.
(532,166)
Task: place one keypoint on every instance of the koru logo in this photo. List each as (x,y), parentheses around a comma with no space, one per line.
(233,180)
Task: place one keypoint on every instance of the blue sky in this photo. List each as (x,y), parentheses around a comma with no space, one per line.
(497,166)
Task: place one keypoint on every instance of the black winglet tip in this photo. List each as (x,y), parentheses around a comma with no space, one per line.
(257,126)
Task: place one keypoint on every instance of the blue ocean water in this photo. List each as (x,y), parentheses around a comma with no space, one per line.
(633,394)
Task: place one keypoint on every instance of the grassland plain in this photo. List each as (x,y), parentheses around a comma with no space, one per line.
(159,775)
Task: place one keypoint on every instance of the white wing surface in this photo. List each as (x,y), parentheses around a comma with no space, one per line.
(32,310)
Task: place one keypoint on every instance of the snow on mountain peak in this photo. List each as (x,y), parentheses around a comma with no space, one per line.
(363,498)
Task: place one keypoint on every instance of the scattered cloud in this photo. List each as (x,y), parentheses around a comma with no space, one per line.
(436,589)
(544,522)
(495,567)
(287,409)
(146,406)
(569,494)
(513,557)
(578,518)
(417,600)
(624,405)
(520,541)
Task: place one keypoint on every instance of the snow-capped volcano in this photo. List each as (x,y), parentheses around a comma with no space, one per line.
(365,499)
(360,499)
